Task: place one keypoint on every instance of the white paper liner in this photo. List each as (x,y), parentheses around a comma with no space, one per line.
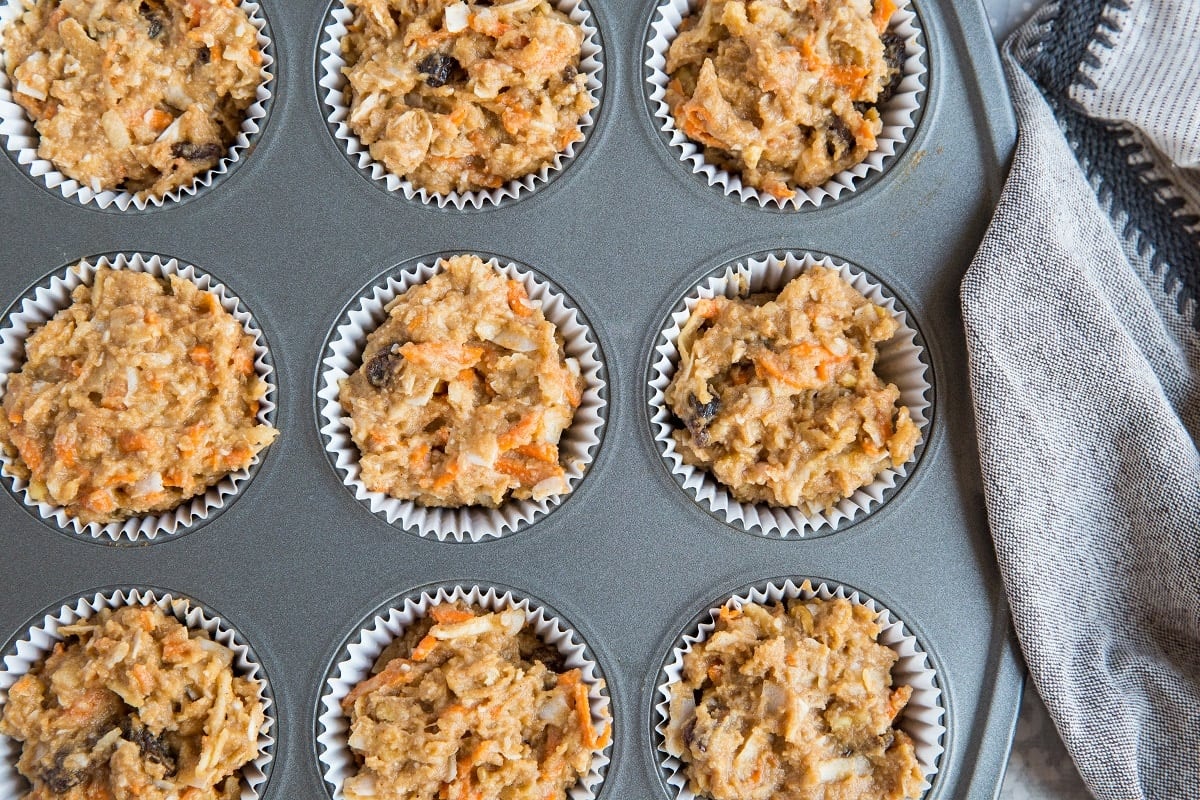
(333,83)
(922,719)
(897,114)
(469,523)
(899,362)
(53,296)
(21,137)
(38,641)
(359,656)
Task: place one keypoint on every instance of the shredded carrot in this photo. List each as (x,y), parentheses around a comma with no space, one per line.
(424,648)
(15,417)
(847,76)
(517,297)
(528,473)
(521,432)
(449,473)
(201,356)
(122,478)
(239,456)
(882,15)
(572,681)
(243,360)
(447,614)
(714,673)
(133,441)
(141,674)
(100,501)
(430,353)
(540,451)
(397,673)
(159,119)
(779,190)
(574,391)
(30,453)
(767,364)
(729,613)
(418,457)
(65,453)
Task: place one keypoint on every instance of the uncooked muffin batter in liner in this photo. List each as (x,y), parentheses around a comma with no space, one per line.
(830,763)
(132,100)
(154,742)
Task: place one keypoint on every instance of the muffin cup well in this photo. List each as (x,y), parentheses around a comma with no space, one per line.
(21,137)
(354,662)
(922,719)
(902,361)
(343,355)
(332,85)
(39,305)
(37,642)
(898,114)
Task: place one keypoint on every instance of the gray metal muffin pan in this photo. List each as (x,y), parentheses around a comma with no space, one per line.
(295,563)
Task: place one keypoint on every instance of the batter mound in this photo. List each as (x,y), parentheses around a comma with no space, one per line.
(470,704)
(779,398)
(458,96)
(134,705)
(134,95)
(463,393)
(138,396)
(784,93)
(793,701)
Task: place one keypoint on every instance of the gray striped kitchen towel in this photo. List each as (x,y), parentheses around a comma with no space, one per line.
(1081,319)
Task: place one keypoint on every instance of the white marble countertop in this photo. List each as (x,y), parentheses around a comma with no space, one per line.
(1039,768)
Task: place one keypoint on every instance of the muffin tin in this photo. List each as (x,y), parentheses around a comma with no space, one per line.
(630,559)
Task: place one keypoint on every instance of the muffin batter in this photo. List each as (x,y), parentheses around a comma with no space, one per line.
(140,395)
(134,95)
(134,705)
(470,704)
(784,93)
(458,96)
(779,398)
(793,702)
(463,393)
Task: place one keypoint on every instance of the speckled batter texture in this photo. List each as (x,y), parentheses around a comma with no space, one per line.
(784,93)
(779,398)
(793,701)
(463,393)
(134,95)
(471,704)
(134,705)
(458,96)
(141,394)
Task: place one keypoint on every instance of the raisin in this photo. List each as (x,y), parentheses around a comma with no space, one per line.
(839,132)
(706,411)
(196,152)
(153,20)
(153,748)
(569,73)
(59,780)
(440,69)
(549,656)
(689,732)
(383,366)
(204,55)
(893,55)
